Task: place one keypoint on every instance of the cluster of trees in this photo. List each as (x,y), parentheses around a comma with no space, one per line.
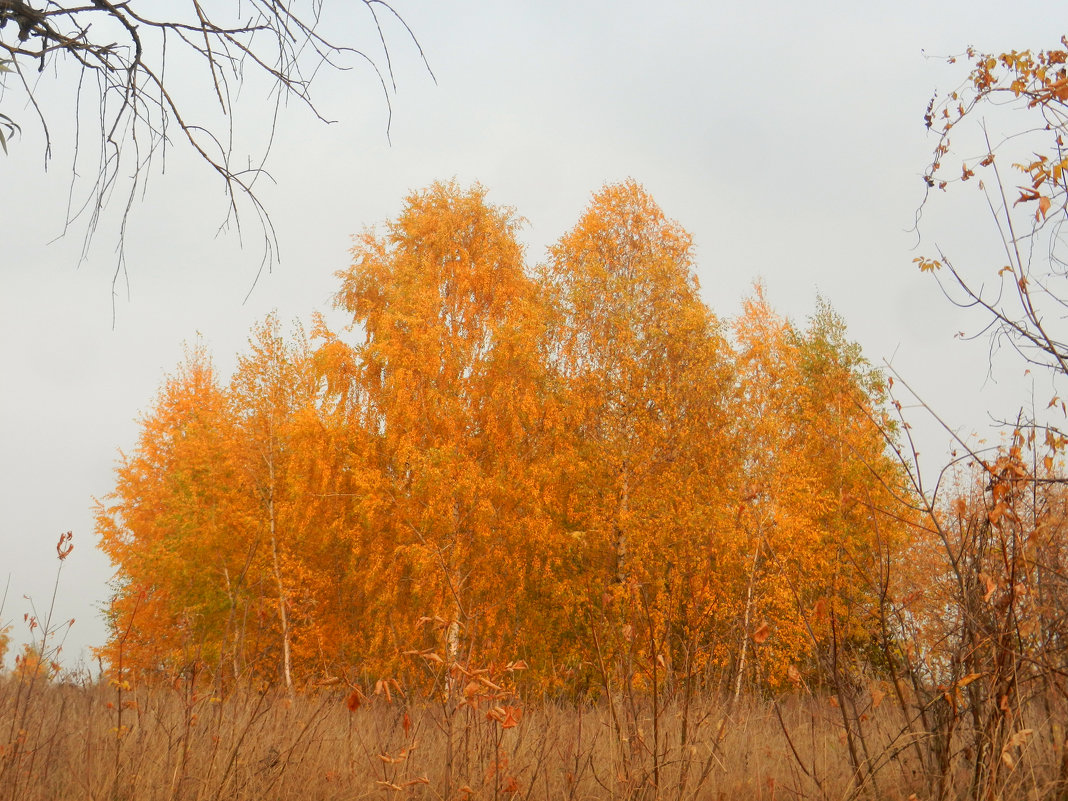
(573,467)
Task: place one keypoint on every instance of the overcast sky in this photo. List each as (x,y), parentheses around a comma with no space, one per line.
(786,137)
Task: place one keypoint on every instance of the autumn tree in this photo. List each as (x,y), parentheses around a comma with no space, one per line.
(168,527)
(1018,291)
(449,364)
(824,504)
(646,456)
(272,395)
(230,524)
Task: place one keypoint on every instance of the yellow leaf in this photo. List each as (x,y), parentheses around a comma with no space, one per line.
(927,265)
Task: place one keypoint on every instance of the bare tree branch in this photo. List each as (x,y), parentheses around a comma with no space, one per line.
(122,51)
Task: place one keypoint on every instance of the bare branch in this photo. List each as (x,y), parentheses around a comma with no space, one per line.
(127,51)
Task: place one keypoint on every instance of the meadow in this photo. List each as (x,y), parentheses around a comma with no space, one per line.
(77,737)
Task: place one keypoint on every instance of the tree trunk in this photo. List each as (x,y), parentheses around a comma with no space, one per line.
(746,617)
(283,601)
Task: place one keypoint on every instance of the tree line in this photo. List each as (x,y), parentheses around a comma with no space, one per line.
(571,467)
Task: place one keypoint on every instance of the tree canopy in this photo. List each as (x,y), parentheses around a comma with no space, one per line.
(575,466)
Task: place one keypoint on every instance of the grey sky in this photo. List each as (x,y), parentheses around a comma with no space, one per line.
(786,137)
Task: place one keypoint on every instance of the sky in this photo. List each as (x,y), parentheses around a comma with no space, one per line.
(787,138)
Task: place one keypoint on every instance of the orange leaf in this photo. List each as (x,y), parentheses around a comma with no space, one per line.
(990,585)
(512,716)
(1043,207)
(762,633)
(819,609)
(966,680)
(1026,196)
(877,697)
(382,688)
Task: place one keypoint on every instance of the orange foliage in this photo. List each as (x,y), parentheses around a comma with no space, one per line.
(822,507)
(573,469)
(453,385)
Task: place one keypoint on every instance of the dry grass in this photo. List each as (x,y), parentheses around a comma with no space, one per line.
(69,741)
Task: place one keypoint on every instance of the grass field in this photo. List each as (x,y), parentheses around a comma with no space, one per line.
(98,740)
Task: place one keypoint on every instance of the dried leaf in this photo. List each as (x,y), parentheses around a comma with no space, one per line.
(990,586)
(762,633)
(1043,207)
(877,697)
(472,689)
(966,680)
(1020,738)
(794,675)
